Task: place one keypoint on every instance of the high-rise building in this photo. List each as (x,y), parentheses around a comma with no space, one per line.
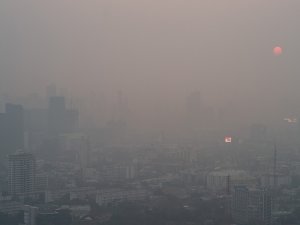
(240,200)
(251,206)
(22,172)
(11,129)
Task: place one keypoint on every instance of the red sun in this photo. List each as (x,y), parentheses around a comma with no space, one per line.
(277,51)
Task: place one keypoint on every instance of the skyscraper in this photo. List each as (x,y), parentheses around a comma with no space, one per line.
(251,206)
(22,172)
(11,129)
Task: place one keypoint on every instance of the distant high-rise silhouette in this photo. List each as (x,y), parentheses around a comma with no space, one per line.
(11,129)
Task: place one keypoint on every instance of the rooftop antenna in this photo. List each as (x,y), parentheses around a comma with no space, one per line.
(275,166)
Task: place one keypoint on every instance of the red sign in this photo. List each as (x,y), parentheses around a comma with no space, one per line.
(228,139)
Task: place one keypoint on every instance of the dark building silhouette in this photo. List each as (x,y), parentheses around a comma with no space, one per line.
(11,129)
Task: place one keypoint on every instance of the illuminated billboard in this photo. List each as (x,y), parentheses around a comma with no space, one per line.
(228,139)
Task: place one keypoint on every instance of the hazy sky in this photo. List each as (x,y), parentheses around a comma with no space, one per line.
(155,51)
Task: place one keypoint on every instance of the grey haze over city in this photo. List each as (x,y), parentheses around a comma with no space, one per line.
(156,53)
(149,112)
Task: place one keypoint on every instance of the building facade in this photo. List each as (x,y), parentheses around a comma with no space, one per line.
(251,206)
(22,173)
(11,129)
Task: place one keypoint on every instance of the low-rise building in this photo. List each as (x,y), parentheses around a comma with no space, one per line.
(115,196)
(10,207)
(225,180)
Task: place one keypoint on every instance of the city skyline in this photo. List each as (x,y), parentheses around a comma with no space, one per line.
(149,112)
